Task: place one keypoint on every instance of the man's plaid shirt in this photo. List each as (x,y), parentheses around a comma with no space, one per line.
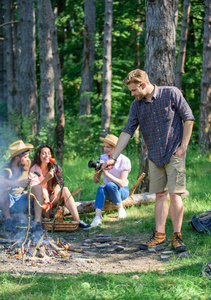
(161,122)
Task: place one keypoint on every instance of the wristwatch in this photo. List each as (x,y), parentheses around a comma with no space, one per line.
(113,158)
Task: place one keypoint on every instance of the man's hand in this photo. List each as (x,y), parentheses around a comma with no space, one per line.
(108,165)
(181,151)
(22,183)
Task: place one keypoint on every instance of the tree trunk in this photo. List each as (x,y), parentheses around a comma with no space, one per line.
(144,167)
(205,106)
(138,34)
(107,69)
(47,113)
(8,7)
(136,199)
(60,118)
(3,86)
(28,83)
(160,41)
(183,43)
(87,71)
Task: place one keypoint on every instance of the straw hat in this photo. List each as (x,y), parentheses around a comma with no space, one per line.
(110,139)
(18,147)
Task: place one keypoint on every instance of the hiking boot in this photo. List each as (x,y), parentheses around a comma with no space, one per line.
(157,242)
(83,225)
(177,243)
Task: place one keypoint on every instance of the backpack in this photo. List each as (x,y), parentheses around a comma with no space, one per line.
(202,223)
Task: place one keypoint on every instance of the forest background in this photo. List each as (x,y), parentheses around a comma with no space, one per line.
(42,88)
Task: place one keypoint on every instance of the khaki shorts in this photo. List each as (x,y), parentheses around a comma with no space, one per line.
(171,177)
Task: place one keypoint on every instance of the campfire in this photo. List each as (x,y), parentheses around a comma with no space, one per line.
(44,248)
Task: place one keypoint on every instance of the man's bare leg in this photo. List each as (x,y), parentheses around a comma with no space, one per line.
(176,211)
(161,211)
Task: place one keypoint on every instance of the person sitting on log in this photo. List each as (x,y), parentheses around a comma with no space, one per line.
(13,182)
(115,187)
(49,176)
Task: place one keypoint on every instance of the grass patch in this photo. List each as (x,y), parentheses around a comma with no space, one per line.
(177,284)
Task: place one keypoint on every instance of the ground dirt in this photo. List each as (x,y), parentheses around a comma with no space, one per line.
(94,252)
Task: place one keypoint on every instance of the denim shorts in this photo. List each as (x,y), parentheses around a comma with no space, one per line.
(19,203)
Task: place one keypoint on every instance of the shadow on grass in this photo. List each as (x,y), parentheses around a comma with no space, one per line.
(182,282)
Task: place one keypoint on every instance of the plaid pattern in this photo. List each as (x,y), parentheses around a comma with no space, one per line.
(161,122)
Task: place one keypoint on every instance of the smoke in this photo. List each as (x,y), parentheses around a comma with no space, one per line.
(7,137)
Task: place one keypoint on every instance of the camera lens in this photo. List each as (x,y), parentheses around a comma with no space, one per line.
(91,164)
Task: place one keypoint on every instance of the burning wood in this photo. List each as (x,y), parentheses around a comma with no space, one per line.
(45,249)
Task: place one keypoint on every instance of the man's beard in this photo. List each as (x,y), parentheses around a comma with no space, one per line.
(23,165)
(140,97)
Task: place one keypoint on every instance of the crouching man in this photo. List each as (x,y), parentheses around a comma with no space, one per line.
(13,180)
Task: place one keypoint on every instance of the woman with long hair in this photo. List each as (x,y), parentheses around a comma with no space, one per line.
(43,173)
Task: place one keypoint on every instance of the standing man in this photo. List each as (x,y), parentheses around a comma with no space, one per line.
(13,181)
(166,123)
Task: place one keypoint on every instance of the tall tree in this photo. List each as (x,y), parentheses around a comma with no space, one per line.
(87,70)
(107,68)
(47,113)
(160,41)
(28,82)
(183,44)
(8,8)
(160,44)
(3,87)
(205,106)
(60,118)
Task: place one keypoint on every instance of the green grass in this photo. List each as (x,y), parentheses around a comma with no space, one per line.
(183,281)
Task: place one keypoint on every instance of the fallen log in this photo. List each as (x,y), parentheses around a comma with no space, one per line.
(135,199)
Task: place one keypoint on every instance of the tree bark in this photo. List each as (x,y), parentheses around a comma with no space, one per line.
(3,86)
(205,106)
(28,82)
(160,41)
(51,83)
(60,118)
(144,167)
(183,43)
(160,44)
(47,113)
(8,7)
(135,199)
(87,71)
(107,69)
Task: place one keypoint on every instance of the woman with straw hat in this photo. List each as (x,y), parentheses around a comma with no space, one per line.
(115,187)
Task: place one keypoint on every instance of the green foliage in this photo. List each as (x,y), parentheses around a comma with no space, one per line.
(128,31)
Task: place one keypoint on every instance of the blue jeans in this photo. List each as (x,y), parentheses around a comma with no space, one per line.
(110,191)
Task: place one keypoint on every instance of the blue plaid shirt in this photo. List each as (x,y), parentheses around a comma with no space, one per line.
(161,122)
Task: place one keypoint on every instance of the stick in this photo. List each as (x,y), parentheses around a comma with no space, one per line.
(141,177)
(38,244)
(12,22)
(28,226)
(59,203)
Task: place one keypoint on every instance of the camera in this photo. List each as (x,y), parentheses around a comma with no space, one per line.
(96,164)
